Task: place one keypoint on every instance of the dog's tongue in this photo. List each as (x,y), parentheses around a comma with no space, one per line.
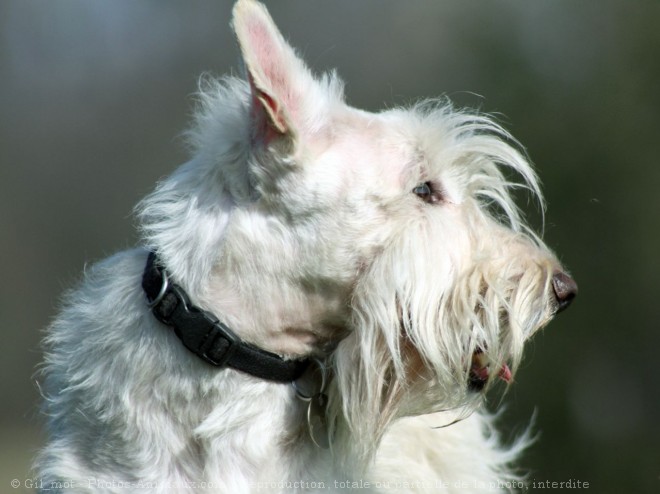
(505,374)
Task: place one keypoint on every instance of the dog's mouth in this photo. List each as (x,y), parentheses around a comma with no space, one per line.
(481,371)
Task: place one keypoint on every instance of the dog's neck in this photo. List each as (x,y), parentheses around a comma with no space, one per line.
(303,403)
(204,335)
(311,325)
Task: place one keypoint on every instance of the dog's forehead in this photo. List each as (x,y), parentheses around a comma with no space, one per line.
(393,149)
(375,146)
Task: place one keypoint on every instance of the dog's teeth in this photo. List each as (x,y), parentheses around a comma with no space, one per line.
(480,368)
(480,373)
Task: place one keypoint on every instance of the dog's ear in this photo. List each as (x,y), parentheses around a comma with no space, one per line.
(278,78)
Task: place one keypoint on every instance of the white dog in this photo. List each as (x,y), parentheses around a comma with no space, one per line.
(323,297)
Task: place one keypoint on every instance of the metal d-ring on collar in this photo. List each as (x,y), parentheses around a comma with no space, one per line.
(163,290)
(309,376)
(317,400)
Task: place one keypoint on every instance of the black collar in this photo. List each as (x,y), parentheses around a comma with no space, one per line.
(205,336)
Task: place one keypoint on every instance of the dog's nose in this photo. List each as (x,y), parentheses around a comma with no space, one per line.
(565,290)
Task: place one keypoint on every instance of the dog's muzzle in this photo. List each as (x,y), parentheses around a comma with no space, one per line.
(564,290)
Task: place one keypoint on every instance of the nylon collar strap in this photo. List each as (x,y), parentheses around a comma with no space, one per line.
(205,336)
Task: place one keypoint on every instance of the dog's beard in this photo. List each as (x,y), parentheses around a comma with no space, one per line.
(423,344)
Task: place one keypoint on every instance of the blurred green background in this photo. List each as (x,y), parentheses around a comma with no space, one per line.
(94,94)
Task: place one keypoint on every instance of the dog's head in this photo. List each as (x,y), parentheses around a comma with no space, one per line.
(391,239)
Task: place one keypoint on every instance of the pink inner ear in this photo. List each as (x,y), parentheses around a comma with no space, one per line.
(268,79)
(271,60)
(267,120)
(266,51)
(273,111)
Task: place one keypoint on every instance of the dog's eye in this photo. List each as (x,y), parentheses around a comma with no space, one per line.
(427,193)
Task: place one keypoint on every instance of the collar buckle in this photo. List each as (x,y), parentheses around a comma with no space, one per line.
(219,345)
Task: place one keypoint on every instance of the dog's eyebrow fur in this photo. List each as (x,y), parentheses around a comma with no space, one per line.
(415,169)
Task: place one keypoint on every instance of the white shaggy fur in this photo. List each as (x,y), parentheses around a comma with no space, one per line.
(295,224)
